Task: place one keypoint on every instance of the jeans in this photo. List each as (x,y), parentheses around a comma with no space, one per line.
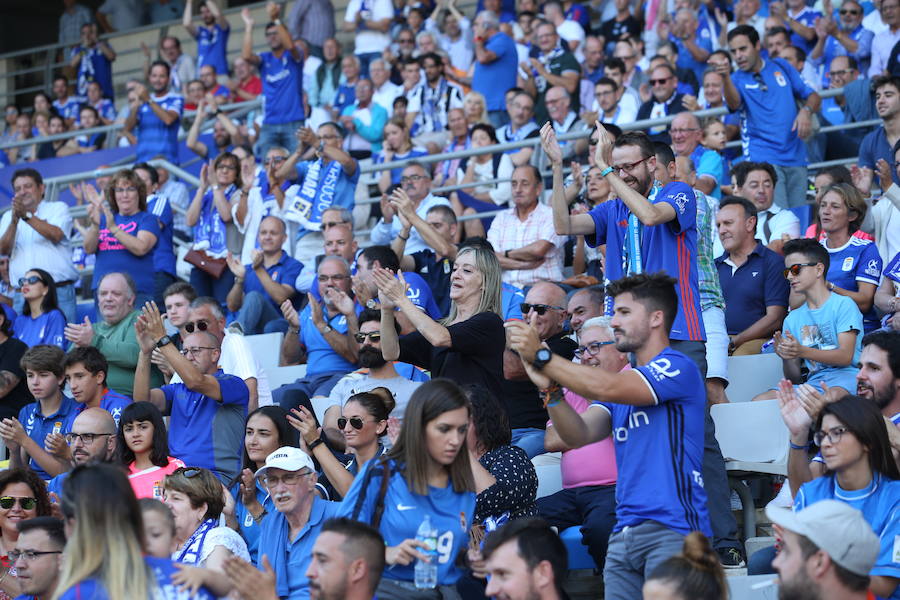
(633,554)
(591,507)
(498,118)
(207,285)
(312,385)
(65,299)
(792,185)
(256,313)
(529,439)
(161,281)
(715,479)
(278,134)
(364,59)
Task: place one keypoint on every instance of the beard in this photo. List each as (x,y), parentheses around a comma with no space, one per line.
(371,358)
(799,588)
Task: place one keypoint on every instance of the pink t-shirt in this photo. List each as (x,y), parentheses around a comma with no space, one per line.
(594,464)
(811,233)
(148,483)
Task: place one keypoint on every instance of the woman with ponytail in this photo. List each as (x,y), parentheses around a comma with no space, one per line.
(695,574)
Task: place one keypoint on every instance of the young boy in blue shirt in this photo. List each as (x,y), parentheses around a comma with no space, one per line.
(44,422)
(86,373)
(824,334)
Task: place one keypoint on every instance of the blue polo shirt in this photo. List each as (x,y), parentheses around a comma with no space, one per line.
(208,433)
(768,109)
(282,79)
(38,426)
(164,253)
(686,60)
(874,146)
(495,78)
(112,402)
(750,288)
(249,530)
(293,556)
(212,44)
(154,137)
(286,270)
(344,96)
(321,357)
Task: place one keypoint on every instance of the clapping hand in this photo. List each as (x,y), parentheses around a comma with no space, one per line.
(290,314)
(603,153)
(786,346)
(247,18)
(390,288)
(235,266)
(80,334)
(523,338)
(550,144)
(305,422)
(339,300)
(794,415)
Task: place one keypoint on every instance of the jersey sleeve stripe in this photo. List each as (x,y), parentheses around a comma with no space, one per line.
(647,381)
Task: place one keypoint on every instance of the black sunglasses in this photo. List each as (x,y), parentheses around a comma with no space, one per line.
(201,326)
(372,335)
(540,309)
(355,422)
(188,472)
(757,77)
(30,280)
(7,502)
(795,269)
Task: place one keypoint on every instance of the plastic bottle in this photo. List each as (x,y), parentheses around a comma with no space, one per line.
(426,572)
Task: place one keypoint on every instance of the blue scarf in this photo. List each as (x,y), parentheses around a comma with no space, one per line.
(209,232)
(316,194)
(633,258)
(190,552)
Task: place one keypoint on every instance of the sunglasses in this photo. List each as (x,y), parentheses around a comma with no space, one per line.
(189,472)
(762,84)
(795,269)
(660,81)
(540,309)
(30,280)
(372,335)
(200,326)
(593,348)
(7,502)
(849,12)
(355,422)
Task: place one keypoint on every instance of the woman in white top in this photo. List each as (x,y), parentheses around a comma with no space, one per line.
(485,168)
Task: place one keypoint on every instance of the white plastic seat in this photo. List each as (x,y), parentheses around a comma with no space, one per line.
(751,375)
(266,348)
(278,376)
(549,479)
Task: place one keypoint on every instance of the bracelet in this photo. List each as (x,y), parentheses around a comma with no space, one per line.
(552,395)
(293,331)
(506,253)
(403,238)
(796,447)
(238,280)
(606,171)
(315,443)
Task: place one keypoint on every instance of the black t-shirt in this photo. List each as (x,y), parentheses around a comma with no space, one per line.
(475,354)
(11,352)
(523,403)
(613,31)
(436,274)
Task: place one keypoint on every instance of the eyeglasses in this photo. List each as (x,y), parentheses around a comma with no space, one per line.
(227,167)
(628,167)
(603,93)
(405,41)
(372,335)
(849,12)
(329,224)
(355,422)
(195,351)
(843,72)
(411,179)
(660,81)
(126,190)
(834,435)
(29,555)
(795,269)
(329,136)
(274,159)
(338,277)
(540,309)
(270,481)
(200,326)
(7,502)
(30,280)
(593,348)
(757,77)
(86,438)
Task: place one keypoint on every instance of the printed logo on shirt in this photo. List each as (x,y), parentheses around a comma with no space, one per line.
(620,434)
(779,77)
(872,268)
(847,265)
(681,200)
(402,507)
(755,273)
(698,478)
(661,369)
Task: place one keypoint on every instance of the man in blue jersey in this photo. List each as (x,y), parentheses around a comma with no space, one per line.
(43,421)
(156,116)
(287,536)
(207,411)
(93,61)
(86,370)
(66,106)
(211,36)
(164,253)
(281,71)
(654,413)
(772,127)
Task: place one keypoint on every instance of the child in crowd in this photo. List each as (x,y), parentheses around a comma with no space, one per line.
(715,138)
(144,449)
(159,527)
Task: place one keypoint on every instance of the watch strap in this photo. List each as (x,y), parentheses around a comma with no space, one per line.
(315,443)
(606,171)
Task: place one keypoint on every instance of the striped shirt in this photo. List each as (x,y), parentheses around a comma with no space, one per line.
(154,137)
(707,272)
(508,232)
(312,20)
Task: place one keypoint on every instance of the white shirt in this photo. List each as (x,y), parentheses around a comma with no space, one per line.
(177,195)
(881,51)
(361,381)
(31,249)
(237,359)
(386,94)
(383,233)
(873,22)
(573,32)
(256,209)
(780,222)
(367,40)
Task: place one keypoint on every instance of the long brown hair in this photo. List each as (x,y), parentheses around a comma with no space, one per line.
(429,401)
(131,178)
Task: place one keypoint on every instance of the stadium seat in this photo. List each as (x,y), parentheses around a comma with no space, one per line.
(754,442)
(549,479)
(278,376)
(578,552)
(266,348)
(742,587)
(752,375)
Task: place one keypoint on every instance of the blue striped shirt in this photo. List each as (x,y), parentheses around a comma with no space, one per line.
(154,137)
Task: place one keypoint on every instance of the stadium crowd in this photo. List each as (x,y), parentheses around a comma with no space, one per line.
(574,301)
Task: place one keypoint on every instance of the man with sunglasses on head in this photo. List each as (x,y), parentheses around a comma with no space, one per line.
(824,333)
(766,91)
(92,439)
(288,535)
(545,309)
(207,410)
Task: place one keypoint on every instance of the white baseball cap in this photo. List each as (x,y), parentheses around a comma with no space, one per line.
(287,458)
(835,527)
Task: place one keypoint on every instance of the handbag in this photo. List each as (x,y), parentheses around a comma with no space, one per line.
(214,267)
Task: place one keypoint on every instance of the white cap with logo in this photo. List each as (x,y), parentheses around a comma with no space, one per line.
(287,458)
(835,527)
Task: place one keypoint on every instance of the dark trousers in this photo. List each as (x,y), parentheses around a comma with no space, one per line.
(715,479)
(592,507)
(207,285)
(161,280)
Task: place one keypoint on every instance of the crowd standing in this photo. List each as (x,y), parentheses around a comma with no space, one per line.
(571,288)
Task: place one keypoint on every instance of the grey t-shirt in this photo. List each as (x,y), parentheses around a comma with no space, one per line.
(360,381)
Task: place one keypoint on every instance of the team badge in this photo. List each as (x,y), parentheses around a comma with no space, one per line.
(779,77)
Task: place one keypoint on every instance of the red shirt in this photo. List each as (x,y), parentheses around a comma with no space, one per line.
(251,86)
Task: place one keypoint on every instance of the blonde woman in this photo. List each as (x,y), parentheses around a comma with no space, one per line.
(475,107)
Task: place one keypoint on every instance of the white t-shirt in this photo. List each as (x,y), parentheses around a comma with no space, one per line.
(31,249)
(360,381)
(257,208)
(367,40)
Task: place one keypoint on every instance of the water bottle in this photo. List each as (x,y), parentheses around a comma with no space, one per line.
(426,572)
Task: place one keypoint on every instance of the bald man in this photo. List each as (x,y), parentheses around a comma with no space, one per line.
(545,309)
(709,165)
(92,438)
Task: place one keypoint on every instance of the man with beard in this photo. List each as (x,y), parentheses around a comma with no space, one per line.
(347,561)
(92,438)
(374,372)
(157,116)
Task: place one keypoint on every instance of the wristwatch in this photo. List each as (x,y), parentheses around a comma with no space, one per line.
(372,303)
(325,329)
(541,358)
(163,341)
(28,216)
(314,443)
